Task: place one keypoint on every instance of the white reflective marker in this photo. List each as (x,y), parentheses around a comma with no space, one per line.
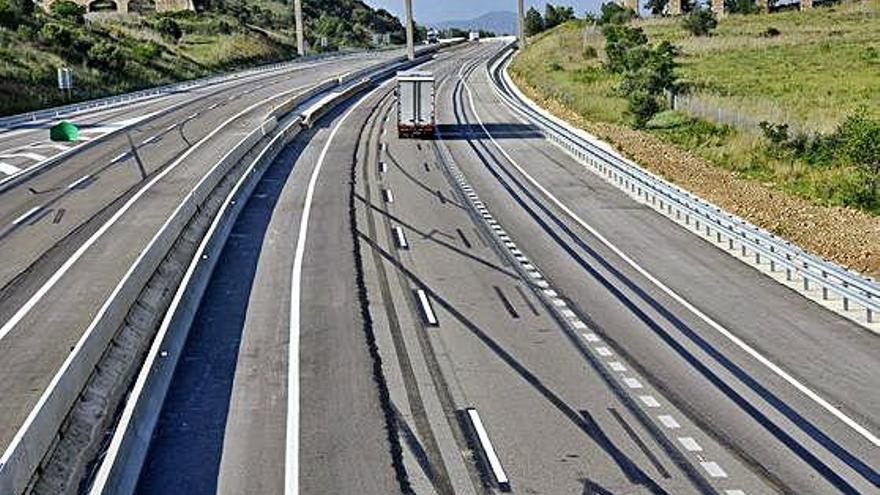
(488,449)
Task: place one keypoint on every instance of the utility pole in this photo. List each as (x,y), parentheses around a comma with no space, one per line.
(522,24)
(410,44)
(298,14)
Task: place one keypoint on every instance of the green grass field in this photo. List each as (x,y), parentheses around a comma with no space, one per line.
(823,66)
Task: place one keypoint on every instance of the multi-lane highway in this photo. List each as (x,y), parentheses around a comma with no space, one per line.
(376,294)
(72,232)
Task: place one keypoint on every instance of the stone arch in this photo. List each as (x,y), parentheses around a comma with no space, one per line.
(103,6)
(142,6)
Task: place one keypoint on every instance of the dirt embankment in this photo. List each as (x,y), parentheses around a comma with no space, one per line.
(847,236)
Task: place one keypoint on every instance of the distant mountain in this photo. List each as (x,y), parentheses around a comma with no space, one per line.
(497,22)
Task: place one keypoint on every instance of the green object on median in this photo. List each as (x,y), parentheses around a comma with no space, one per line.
(64,131)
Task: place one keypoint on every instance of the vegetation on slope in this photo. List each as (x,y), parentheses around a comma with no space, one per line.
(796,69)
(112,54)
(817,70)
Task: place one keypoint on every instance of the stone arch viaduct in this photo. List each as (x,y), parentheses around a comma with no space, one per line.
(126,6)
(717,5)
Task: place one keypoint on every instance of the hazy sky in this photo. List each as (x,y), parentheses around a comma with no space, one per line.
(444,10)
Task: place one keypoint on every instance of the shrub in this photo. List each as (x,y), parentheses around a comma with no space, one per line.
(103,55)
(146,51)
(771,32)
(554,66)
(66,9)
(26,32)
(590,52)
(741,6)
(54,34)
(169,29)
(700,22)
(8,15)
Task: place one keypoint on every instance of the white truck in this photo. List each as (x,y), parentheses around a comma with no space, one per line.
(415,104)
(474,36)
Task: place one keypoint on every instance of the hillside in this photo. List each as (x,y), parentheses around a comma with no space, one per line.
(496,22)
(112,54)
(811,70)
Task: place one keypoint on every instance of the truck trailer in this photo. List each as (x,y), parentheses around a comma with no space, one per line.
(415,104)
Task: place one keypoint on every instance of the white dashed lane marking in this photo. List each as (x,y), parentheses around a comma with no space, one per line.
(617,366)
(9,169)
(632,382)
(713,469)
(668,421)
(690,444)
(25,154)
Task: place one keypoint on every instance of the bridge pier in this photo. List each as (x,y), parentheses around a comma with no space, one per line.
(632,4)
(806,4)
(675,7)
(718,7)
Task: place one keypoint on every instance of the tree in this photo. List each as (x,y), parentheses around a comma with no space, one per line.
(613,13)
(700,22)
(656,6)
(554,16)
(647,70)
(741,7)
(534,22)
(620,41)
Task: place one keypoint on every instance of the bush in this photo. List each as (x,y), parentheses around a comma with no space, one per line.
(54,34)
(590,52)
(169,29)
(26,32)
(103,55)
(8,15)
(771,32)
(700,22)
(66,9)
(146,51)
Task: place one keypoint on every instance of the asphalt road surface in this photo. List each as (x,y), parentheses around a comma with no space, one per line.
(375,289)
(98,213)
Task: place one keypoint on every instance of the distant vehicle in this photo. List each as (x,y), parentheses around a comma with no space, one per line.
(433,37)
(474,36)
(415,104)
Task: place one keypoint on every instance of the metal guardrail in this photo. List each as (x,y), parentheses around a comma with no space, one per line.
(118,100)
(831,278)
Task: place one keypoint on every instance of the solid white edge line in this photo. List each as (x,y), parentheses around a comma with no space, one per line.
(428,311)
(291,455)
(488,448)
(47,286)
(864,432)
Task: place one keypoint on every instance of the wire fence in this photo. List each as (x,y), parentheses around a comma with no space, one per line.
(735,117)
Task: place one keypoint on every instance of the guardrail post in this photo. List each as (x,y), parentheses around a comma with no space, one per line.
(870,315)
